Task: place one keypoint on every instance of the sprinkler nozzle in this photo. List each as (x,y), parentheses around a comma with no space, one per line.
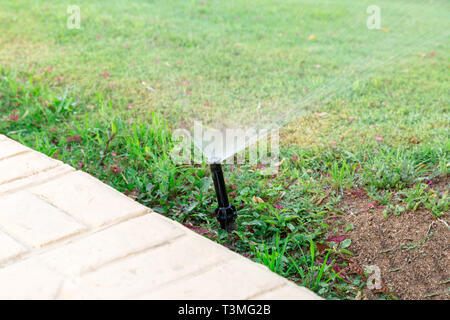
(225,213)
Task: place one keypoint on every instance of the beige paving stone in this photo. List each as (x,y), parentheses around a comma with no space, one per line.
(73,289)
(9,248)
(28,279)
(235,279)
(126,238)
(40,177)
(137,274)
(34,221)
(9,148)
(24,165)
(88,199)
(287,292)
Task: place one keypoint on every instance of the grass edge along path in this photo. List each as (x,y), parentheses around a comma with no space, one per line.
(283,219)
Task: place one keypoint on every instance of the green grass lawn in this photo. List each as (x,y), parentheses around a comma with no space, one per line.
(209,60)
(106,97)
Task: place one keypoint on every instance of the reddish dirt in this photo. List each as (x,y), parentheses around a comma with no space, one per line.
(411,249)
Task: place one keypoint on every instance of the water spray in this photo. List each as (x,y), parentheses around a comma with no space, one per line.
(225,212)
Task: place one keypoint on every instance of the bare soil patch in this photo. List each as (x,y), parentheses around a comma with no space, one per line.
(411,249)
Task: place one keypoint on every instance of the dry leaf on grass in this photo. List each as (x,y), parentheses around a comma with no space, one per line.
(257,200)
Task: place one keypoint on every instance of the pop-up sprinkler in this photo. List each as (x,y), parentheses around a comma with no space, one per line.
(225,213)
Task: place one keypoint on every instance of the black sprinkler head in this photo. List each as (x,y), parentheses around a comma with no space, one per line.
(225,213)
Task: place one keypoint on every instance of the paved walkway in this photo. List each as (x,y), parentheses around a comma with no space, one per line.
(66,235)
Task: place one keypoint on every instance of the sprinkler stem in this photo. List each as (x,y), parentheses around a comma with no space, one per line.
(225,213)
